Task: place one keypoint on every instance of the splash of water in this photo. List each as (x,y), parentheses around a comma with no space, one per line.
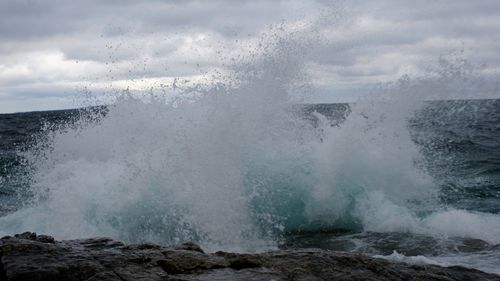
(236,166)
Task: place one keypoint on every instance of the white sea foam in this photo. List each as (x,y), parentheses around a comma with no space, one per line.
(418,260)
(487,262)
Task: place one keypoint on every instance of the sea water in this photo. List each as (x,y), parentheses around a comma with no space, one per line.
(244,165)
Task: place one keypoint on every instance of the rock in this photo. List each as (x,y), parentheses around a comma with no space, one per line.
(45,239)
(26,235)
(183,261)
(28,256)
(473,245)
(240,261)
(189,246)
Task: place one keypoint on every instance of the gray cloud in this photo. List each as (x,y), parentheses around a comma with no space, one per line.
(26,19)
(47,45)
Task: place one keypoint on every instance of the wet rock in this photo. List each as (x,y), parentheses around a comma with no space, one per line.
(183,261)
(473,245)
(28,256)
(45,239)
(241,261)
(189,246)
(26,235)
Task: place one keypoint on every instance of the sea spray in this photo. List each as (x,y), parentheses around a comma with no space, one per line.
(172,171)
(236,166)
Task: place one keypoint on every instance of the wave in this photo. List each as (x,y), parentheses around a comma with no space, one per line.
(236,166)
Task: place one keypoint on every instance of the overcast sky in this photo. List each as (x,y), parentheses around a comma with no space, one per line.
(51,51)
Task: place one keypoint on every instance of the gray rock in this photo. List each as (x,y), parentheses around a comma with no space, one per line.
(28,256)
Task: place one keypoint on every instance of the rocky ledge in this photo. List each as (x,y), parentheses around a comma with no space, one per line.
(29,256)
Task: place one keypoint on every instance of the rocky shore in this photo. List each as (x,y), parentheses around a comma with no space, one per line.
(29,256)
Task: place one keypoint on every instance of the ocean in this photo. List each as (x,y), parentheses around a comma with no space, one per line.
(394,178)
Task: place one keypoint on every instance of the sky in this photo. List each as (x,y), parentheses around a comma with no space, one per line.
(56,53)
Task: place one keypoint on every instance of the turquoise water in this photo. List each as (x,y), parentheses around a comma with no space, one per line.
(315,182)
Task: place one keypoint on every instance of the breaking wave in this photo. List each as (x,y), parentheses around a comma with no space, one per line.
(237,165)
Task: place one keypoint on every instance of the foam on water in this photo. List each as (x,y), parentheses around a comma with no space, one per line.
(419,260)
(487,262)
(235,167)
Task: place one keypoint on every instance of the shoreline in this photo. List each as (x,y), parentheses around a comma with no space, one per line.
(29,256)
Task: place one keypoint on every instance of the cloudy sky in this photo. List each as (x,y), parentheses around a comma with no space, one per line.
(52,52)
